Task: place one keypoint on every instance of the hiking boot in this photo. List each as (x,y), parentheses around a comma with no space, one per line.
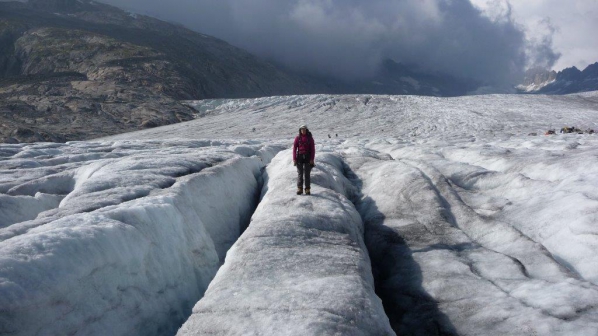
(307,191)
(299,191)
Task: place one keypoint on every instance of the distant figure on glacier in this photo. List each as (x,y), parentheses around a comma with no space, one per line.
(304,153)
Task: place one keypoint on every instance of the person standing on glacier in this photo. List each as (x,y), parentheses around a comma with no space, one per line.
(304,153)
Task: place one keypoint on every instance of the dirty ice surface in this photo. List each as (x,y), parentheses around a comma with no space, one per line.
(427,216)
(301,268)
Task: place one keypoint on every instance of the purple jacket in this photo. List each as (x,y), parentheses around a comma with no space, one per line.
(304,144)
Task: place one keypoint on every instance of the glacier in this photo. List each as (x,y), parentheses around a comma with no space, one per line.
(427,216)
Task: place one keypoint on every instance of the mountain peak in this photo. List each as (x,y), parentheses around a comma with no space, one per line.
(569,80)
(591,70)
(570,74)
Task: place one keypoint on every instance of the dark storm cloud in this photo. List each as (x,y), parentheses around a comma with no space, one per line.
(540,50)
(349,38)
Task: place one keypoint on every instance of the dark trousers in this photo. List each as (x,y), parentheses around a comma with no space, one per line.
(303,170)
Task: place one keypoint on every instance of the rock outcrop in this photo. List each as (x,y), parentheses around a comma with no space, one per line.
(569,80)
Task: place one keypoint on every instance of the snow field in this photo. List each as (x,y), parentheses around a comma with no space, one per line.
(301,267)
(413,118)
(132,266)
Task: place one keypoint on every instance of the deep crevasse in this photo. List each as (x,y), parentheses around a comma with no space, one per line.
(301,268)
(441,268)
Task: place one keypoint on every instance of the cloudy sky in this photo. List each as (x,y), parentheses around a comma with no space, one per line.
(574,24)
(491,40)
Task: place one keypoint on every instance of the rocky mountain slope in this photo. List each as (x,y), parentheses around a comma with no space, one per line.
(570,80)
(73,70)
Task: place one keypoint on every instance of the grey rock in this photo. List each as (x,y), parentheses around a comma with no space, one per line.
(569,80)
(23,132)
(11,141)
(149,124)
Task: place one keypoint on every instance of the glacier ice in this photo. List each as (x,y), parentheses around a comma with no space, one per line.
(441,267)
(471,226)
(130,266)
(301,268)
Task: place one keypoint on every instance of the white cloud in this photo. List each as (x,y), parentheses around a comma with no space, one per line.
(575,23)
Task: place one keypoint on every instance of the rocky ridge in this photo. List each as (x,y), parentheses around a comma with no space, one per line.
(569,80)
